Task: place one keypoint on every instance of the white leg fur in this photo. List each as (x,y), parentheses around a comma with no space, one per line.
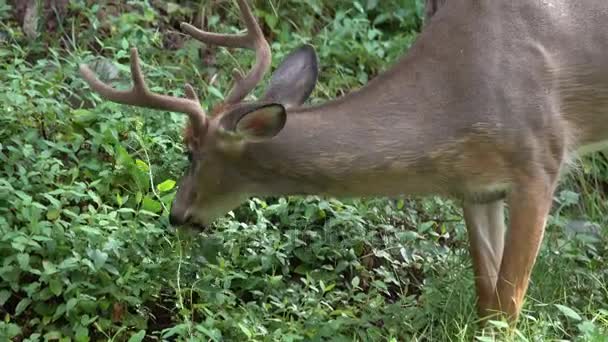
(486,229)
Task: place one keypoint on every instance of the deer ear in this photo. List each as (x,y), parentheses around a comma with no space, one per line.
(256,122)
(294,80)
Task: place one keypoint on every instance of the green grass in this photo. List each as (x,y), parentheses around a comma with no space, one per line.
(85,250)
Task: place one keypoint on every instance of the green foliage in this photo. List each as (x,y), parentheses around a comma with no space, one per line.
(85,249)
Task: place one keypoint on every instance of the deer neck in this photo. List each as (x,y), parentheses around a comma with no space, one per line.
(373,141)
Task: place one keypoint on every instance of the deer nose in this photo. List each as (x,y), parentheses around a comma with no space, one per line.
(178,220)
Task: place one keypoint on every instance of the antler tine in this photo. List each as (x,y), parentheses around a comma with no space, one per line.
(253,39)
(139,95)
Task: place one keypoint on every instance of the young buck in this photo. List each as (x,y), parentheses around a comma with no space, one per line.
(487,107)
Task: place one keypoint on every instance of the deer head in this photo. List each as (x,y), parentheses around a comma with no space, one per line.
(213,184)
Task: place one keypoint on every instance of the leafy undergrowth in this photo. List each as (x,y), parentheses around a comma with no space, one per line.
(85,246)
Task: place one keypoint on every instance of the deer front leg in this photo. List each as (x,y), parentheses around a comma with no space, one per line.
(529,205)
(486,230)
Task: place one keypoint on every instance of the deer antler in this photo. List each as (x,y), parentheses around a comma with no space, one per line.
(139,95)
(253,39)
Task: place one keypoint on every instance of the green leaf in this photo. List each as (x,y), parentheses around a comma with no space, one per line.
(484,338)
(210,249)
(329,287)
(59,312)
(122,156)
(49,267)
(84,117)
(81,334)
(358,6)
(98,257)
(151,205)
(119,200)
(568,312)
(355,281)
(52,336)
(271,20)
(177,329)
(138,197)
(141,165)
(55,286)
(9,330)
(24,261)
(138,337)
(69,263)
(245,330)
(90,230)
(166,185)
(4,296)
(23,304)
(215,92)
(71,304)
(24,197)
(400,204)
(499,324)
(274,280)
(52,214)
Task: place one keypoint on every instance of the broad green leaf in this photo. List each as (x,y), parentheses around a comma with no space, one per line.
(52,336)
(83,116)
(90,230)
(122,156)
(119,200)
(55,286)
(568,312)
(24,197)
(98,257)
(138,337)
(81,334)
(24,261)
(53,214)
(22,305)
(151,205)
(9,330)
(141,165)
(166,185)
(4,296)
(49,267)
(138,197)
(271,20)
(59,311)
(245,330)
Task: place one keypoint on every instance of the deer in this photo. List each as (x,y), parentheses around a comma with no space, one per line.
(490,105)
